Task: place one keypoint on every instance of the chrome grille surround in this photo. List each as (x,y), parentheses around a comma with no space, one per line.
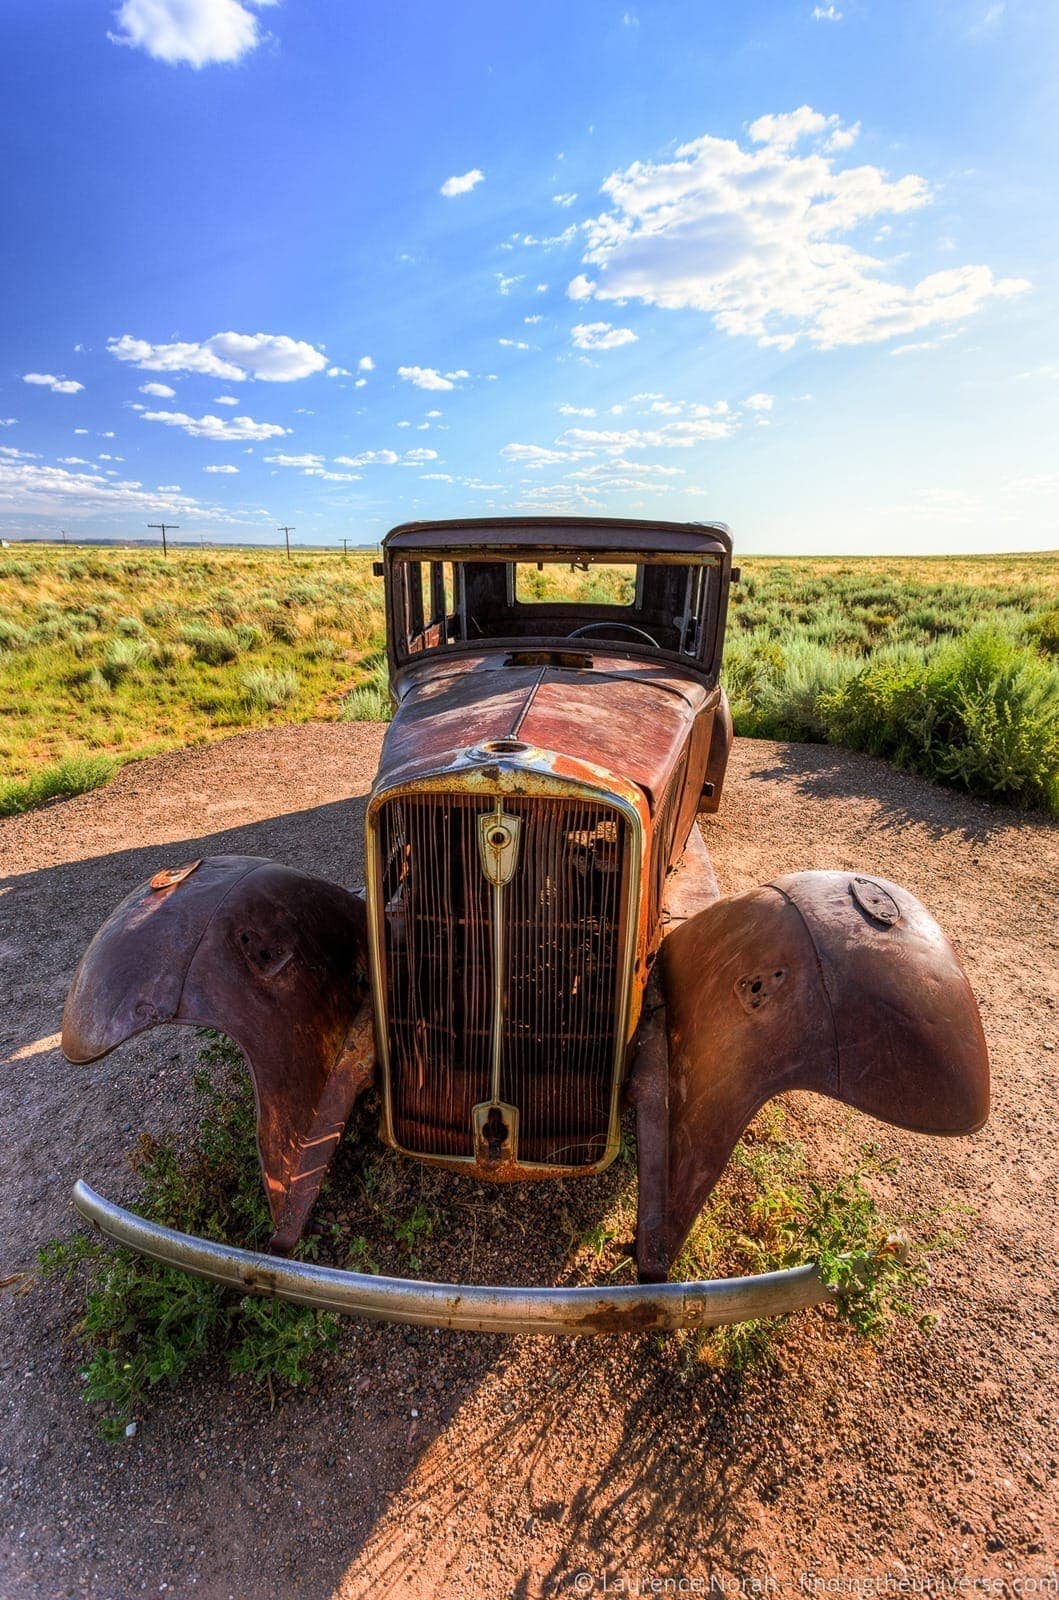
(455,798)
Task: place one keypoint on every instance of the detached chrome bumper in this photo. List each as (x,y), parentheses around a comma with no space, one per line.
(471,1307)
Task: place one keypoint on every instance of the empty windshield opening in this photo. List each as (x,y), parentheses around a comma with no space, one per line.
(667,605)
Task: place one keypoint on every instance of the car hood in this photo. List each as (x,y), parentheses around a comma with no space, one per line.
(631,717)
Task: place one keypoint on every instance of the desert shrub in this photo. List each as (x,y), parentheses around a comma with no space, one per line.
(370,700)
(130,627)
(791,694)
(12,637)
(74,775)
(122,658)
(1044,630)
(980,711)
(267,690)
(212,646)
(367,704)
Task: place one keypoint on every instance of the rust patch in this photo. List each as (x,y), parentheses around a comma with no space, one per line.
(875,902)
(169,877)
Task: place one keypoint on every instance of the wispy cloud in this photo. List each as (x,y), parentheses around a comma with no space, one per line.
(223,428)
(600,336)
(431,378)
(271,357)
(47,380)
(463,184)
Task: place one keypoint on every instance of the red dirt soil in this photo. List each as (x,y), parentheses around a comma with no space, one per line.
(425,1463)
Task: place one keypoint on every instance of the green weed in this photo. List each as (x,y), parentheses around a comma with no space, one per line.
(143,1324)
(74,775)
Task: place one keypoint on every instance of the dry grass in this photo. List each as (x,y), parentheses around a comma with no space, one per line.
(121,654)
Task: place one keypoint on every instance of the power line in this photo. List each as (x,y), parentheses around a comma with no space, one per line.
(164,527)
(286,532)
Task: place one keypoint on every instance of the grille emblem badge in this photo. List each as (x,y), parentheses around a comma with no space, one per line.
(498,839)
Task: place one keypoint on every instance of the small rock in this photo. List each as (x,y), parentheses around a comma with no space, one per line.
(130,1430)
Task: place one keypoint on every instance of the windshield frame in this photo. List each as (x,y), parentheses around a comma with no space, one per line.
(703,663)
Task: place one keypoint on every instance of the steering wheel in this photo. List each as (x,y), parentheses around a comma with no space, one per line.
(640,634)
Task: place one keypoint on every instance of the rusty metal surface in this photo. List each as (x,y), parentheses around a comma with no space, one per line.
(531,782)
(272,958)
(515,535)
(471,1307)
(800,985)
(722,738)
(632,718)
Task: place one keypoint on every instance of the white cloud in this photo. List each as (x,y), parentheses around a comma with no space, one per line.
(8,422)
(387,458)
(162,391)
(47,380)
(755,238)
(339,372)
(35,488)
(462,184)
(531,322)
(431,378)
(758,402)
(365,364)
(191,32)
(70,461)
(295,461)
(433,414)
(505,285)
(370,458)
(564,199)
(828,13)
(600,336)
(223,428)
(225,469)
(536,455)
(577,411)
(272,357)
(514,344)
(580,288)
(226,400)
(80,430)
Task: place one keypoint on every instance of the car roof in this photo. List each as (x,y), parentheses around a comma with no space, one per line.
(504,535)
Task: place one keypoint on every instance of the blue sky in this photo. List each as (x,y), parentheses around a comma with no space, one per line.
(342,264)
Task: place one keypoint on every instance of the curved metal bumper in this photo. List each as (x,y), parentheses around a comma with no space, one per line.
(471,1307)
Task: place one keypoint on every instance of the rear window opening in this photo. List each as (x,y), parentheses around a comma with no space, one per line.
(550,583)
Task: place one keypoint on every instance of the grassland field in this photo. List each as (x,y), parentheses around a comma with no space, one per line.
(946,666)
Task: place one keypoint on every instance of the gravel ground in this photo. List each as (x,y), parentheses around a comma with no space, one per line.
(424,1463)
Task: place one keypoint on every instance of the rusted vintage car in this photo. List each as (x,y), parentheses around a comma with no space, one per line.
(540,940)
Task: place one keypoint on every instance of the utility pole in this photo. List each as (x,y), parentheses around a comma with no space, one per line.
(63,532)
(286,532)
(164,527)
(345,552)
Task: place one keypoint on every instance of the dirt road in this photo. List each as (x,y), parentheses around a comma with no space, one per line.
(428,1464)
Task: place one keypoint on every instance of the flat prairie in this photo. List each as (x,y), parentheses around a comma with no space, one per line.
(945,664)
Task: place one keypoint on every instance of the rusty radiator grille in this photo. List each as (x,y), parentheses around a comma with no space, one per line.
(560,972)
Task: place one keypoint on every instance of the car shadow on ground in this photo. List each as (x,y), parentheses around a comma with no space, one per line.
(217,1466)
(826,772)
